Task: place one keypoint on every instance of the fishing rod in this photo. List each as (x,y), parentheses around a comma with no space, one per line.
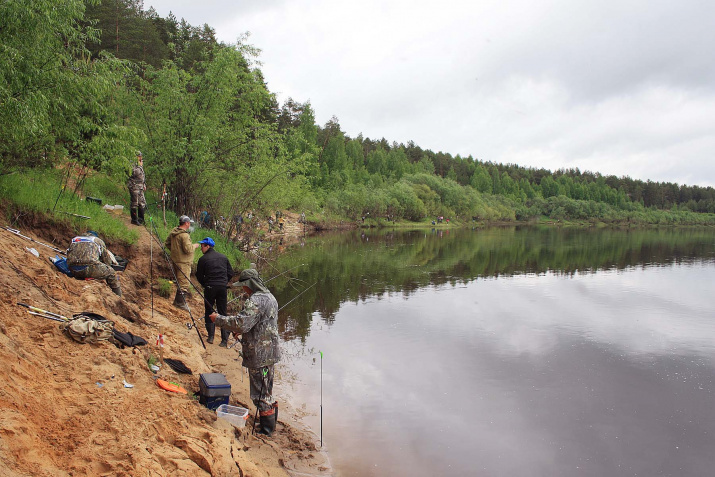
(266,281)
(279,309)
(17,232)
(76,215)
(321,398)
(62,187)
(176,280)
(48,317)
(151,272)
(44,312)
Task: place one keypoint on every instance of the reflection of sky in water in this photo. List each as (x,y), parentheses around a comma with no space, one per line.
(597,374)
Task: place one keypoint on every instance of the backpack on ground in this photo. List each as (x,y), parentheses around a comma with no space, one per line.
(61,264)
(89,328)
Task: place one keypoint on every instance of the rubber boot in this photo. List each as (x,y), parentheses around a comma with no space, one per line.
(134,214)
(224,338)
(179,301)
(210,330)
(140,215)
(268,420)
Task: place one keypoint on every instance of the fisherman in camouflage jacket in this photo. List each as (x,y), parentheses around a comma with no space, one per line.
(258,323)
(88,257)
(137,185)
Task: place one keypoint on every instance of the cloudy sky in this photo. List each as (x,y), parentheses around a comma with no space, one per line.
(622,87)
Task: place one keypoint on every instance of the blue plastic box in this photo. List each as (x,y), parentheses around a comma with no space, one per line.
(214,390)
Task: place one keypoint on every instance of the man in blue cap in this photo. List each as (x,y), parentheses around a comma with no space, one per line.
(213,273)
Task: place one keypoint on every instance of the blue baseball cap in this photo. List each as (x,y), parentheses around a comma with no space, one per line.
(208,241)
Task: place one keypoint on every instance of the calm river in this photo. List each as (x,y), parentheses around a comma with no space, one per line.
(505,352)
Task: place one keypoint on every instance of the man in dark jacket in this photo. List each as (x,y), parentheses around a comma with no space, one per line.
(258,323)
(213,273)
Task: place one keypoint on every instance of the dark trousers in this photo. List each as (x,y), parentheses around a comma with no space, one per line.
(215,296)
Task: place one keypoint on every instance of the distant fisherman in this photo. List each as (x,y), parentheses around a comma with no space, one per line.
(137,186)
(89,257)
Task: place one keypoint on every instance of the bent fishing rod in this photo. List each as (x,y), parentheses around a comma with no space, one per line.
(279,309)
(176,280)
(266,281)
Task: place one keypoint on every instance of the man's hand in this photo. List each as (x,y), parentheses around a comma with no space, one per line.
(213,316)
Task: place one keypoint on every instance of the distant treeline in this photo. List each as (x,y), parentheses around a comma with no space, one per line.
(91,82)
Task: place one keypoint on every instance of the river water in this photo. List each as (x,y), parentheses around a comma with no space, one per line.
(506,351)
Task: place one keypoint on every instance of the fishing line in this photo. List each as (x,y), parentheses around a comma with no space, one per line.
(296,297)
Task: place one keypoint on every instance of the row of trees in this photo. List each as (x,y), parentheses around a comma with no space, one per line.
(91,82)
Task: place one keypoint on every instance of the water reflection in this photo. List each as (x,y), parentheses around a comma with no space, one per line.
(509,351)
(358,265)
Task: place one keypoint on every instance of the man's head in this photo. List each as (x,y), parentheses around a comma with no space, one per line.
(207,244)
(140,158)
(185,222)
(251,281)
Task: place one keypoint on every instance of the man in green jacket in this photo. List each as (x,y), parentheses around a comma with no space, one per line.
(182,256)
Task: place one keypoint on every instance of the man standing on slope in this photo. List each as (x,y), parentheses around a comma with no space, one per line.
(213,273)
(258,323)
(137,186)
(182,256)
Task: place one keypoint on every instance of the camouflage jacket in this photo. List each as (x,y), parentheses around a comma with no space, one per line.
(179,242)
(137,179)
(258,323)
(86,251)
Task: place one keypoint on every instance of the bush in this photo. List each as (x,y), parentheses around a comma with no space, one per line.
(163,287)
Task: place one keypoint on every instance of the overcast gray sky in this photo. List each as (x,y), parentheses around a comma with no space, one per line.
(624,87)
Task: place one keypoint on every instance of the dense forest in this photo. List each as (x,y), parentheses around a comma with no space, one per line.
(89,83)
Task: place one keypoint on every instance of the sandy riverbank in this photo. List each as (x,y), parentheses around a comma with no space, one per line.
(64,407)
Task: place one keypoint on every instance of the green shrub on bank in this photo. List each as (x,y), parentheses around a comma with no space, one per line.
(39,191)
(561,208)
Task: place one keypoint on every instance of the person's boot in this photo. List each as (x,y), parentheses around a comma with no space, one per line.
(179,301)
(140,215)
(268,420)
(224,338)
(134,214)
(210,330)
